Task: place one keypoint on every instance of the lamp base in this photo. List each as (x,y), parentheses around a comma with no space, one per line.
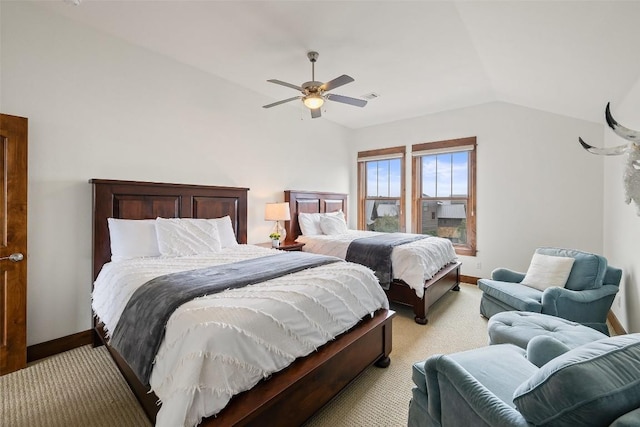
(277,228)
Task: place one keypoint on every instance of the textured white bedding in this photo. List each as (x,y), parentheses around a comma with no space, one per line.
(412,262)
(220,345)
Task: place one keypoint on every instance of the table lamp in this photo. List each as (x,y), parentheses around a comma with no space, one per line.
(277,212)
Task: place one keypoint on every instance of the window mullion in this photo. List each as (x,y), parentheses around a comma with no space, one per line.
(389,178)
(378,178)
(451,174)
(436,194)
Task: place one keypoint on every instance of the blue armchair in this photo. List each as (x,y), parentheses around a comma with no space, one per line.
(595,384)
(586,297)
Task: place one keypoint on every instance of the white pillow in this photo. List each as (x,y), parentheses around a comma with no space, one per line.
(339,214)
(333,224)
(187,236)
(546,271)
(132,238)
(225,230)
(310,222)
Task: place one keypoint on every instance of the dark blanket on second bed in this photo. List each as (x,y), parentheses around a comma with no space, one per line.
(141,327)
(375,253)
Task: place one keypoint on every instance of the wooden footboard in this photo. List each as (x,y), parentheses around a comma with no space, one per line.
(296,393)
(448,278)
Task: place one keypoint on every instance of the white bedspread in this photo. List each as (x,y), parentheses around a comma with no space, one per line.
(412,262)
(219,345)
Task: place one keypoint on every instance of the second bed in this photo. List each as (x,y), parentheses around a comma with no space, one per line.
(423,270)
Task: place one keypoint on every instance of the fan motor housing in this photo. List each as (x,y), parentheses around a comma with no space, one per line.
(311,87)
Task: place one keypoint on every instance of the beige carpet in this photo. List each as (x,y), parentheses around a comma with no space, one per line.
(84,388)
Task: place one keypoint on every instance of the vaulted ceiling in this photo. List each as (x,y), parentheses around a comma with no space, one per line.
(420,57)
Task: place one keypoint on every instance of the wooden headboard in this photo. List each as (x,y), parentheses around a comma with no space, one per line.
(149,200)
(311,202)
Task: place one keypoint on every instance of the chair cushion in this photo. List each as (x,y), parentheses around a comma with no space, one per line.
(591,385)
(516,327)
(588,269)
(499,368)
(519,297)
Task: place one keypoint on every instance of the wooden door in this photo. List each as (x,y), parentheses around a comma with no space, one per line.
(13,243)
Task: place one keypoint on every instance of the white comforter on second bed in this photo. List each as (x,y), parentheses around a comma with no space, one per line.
(413,263)
(222,344)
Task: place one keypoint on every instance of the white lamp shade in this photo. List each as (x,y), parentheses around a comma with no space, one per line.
(277,212)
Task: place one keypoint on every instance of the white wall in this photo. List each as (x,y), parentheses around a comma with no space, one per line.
(101,108)
(535,185)
(621,221)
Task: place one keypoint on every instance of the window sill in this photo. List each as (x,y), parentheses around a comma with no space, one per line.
(467,251)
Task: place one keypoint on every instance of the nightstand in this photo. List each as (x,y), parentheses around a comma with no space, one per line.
(286,246)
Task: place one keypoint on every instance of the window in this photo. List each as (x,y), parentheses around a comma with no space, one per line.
(381,189)
(444,191)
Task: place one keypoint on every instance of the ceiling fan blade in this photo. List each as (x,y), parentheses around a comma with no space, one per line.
(347,100)
(280,82)
(315,113)
(337,82)
(281,102)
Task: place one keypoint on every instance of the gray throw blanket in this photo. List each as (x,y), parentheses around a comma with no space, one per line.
(375,253)
(141,327)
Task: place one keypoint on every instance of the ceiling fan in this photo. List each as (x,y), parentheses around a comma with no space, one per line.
(315,93)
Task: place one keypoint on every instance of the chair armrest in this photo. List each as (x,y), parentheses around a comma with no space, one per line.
(506,275)
(485,405)
(543,348)
(579,306)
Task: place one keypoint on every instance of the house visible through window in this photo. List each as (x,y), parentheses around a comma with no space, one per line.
(444,191)
(381,189)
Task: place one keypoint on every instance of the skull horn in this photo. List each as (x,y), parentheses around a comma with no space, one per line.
(611,151)
(623,132)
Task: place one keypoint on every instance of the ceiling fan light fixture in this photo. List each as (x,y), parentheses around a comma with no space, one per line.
(314,93)
(313,101)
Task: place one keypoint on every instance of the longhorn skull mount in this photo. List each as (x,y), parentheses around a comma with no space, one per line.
(631,177)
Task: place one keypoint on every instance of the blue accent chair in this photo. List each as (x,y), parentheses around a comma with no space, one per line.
(586,298)
(592,385)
